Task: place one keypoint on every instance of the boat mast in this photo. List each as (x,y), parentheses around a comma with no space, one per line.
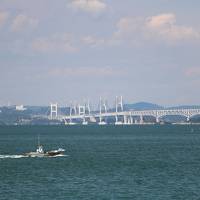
(38,140)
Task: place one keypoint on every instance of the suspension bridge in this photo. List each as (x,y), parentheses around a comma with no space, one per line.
(84,115)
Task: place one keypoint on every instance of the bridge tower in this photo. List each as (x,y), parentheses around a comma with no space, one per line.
(73,109)
(87,110)
(54,111)
(87,107)
(102,107)
(81,110)
(118,107)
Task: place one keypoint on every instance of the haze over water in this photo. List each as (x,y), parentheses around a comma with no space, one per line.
(135,162)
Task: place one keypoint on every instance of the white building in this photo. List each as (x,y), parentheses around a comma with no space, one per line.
(20,108)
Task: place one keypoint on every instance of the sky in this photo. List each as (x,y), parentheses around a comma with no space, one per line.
(73,50)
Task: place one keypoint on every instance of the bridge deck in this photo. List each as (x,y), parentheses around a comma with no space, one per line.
(156,113)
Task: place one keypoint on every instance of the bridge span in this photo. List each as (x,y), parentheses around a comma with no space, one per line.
(83,114)
(128,116)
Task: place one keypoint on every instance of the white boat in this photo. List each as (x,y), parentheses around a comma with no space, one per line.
(41,153)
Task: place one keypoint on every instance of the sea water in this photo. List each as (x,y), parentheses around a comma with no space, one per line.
(101,162)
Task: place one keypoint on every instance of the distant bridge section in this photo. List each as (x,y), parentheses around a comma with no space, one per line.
(128,115)
(188,113)
(83,114)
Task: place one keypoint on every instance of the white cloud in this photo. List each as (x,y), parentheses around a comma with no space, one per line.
(165,26)
(161,20)
(92,41)
(91,6)
(54,43)
(159,27)
(23,22)
(3,17)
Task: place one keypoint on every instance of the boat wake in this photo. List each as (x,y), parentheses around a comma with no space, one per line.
(23,156)
(12,156)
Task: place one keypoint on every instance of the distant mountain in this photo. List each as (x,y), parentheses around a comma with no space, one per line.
(142,106)
(185,107)
(151,106)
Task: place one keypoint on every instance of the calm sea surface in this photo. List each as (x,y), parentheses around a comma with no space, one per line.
(135,162)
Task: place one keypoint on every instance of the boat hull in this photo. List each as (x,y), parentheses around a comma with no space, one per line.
(46,154)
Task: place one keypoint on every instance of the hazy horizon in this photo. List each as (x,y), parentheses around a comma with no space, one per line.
(71,50)
(95,105)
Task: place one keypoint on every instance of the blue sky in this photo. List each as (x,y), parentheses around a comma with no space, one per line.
(76,49)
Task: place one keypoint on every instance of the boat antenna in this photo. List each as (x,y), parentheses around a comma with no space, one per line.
(38,139)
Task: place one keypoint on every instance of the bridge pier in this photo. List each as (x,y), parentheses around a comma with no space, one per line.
(141,119)
(116,119)
(84,121)
(100,119)
(188,118)
(125,119)
(157,119)
(117,122)
(131,118)
(101,122)
(128,119)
